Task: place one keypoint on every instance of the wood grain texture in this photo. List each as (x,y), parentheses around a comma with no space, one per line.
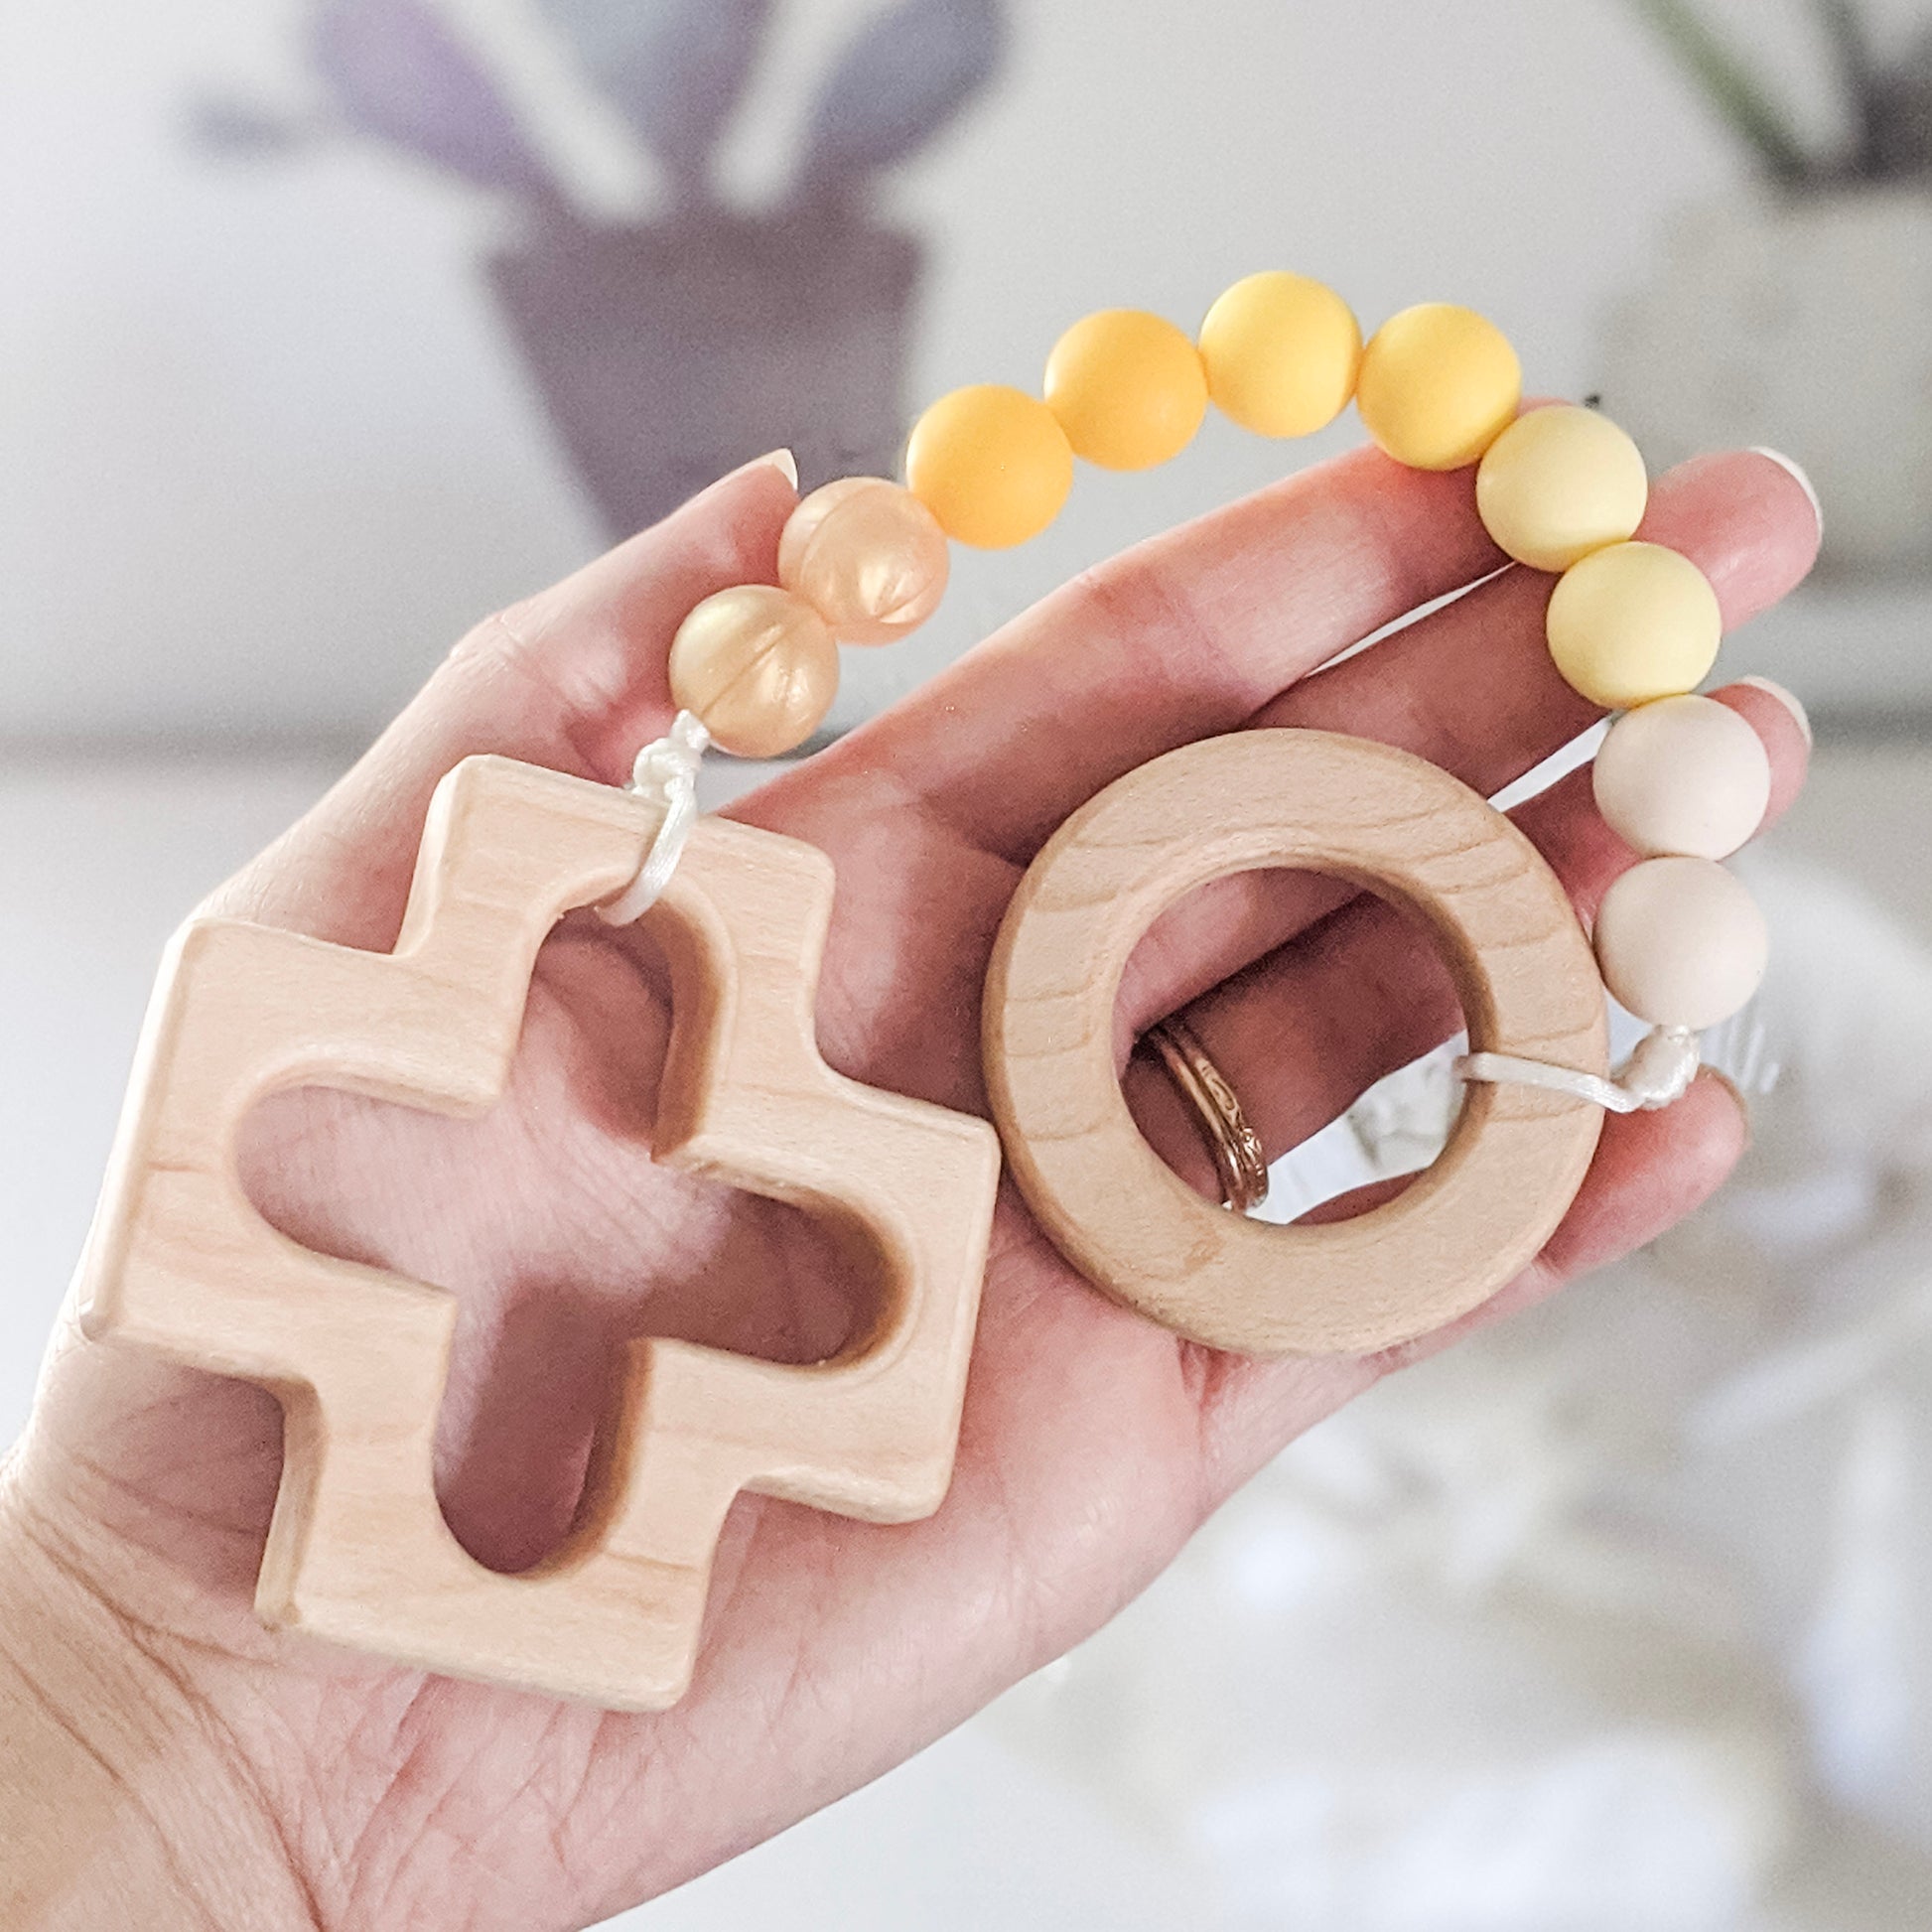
(180,1261)
(1380,818)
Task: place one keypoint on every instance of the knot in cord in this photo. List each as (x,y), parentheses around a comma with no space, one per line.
(666,773)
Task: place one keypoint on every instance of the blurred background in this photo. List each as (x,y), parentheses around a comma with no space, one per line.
(327,326)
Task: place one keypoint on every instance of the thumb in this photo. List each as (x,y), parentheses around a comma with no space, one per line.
(573,679)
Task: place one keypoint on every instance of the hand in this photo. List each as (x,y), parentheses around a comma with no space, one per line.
(167,1748)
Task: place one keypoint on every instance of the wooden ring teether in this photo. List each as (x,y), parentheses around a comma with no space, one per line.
(1380,818)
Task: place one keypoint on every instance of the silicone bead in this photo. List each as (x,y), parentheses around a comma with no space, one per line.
(1682,776)
(1128,388)
(1680,943)
(1557,484)
(759,666)
(1633,622)
(993,465)
(1280,353)
(1437,385)
(868,556)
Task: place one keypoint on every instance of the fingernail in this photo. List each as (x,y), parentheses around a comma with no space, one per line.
(1789,700)
(1796,470)
(786,466)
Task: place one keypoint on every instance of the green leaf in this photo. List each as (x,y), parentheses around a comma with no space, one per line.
(1843,24)
(1729,85)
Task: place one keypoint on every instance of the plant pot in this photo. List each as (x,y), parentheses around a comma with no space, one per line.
(664,355)
(1799,323)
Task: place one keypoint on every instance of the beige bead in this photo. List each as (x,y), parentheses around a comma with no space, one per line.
(1681,943)
(868,556)
(1682,776)
(1557,484)
(759,667)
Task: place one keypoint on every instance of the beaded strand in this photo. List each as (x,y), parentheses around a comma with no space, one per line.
(1632,626)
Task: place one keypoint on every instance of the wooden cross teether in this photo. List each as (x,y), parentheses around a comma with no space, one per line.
(181,1263)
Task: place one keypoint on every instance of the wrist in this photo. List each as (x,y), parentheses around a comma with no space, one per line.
(119,1803)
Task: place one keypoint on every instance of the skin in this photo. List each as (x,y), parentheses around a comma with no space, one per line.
(163,1753)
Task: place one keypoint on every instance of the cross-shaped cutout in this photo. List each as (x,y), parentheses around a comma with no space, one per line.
(181,1261)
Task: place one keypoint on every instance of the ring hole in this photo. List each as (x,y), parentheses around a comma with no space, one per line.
(1327,1028)
(560,1239)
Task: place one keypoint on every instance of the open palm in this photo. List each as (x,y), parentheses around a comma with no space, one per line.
(275,1780)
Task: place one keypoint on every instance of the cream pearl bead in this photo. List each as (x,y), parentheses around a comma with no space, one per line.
(1557,484)
(758,666)
(868,556)
(1680,943)
(1683,775)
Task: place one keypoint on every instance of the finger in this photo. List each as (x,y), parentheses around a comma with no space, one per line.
(1177,638)
(1472,688)
(1307,1029)
(1779,720)
(573,679)
(1650,1172)
(1197,631)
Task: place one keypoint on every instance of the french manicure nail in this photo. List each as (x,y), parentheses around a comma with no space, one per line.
(786,466)
(1796,470)
(1789,700)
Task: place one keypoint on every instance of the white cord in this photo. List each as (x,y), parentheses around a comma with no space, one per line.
(666,774)
(1659,1071)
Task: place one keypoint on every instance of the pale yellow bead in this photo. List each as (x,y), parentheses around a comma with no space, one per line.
(1633,622)
(1437,385)
(1680,943)
(759,666)
(1280,353)
(1128,388)
(868,556)
(990,463)
(1557,484)
(1683,775)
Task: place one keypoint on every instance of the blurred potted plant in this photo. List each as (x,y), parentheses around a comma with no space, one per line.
(1797,317)
(667,350)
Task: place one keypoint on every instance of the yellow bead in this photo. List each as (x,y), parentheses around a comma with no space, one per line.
(1280,353)
(868,556)
(1128,388)
(1557,484)
(993,465)
(759,666)
(1633,622)
(1437,385)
